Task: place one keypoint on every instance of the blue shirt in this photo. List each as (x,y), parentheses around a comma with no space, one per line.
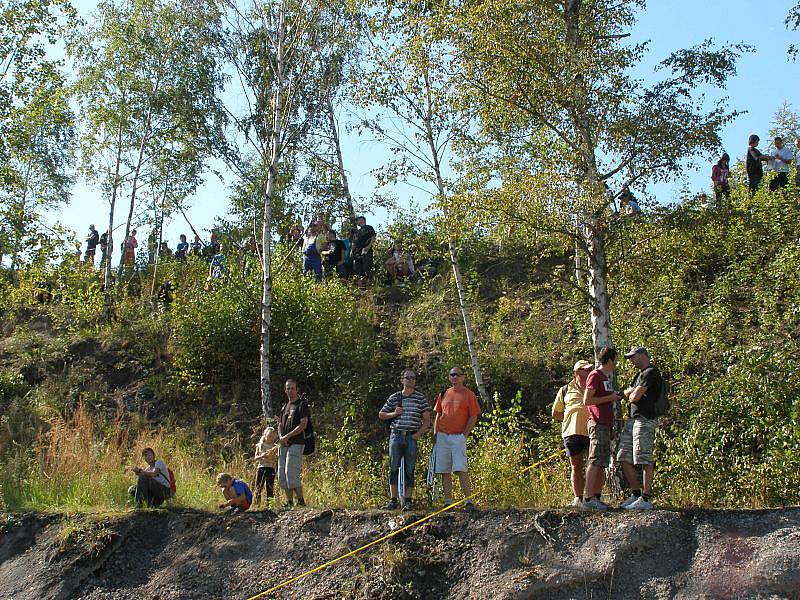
(241,489)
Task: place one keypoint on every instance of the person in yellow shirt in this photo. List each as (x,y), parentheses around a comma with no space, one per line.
(573,414)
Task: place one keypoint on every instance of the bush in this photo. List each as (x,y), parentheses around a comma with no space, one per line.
(319,335)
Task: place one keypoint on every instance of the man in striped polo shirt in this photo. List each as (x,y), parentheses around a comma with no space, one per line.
(410,416)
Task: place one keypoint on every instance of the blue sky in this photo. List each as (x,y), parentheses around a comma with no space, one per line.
(765,80)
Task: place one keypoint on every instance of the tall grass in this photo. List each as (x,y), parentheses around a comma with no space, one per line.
(78,465)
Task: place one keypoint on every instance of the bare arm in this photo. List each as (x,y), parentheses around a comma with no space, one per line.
(426,424)
(637,394)
(589,398)
(470,424)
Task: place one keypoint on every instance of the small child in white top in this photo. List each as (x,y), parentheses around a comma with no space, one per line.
(266,457)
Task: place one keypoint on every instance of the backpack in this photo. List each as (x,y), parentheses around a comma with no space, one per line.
(663,404)
(172,489)
(309,437)
(388,422)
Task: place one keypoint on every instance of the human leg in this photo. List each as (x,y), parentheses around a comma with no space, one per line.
(269,481)
(599,457)
(644,433)
(577,446)
(444,464)
(282,479)
(463,479)
(258,484)
(395,458)
(294,463)
(577,477)
(409,465)
(447,487)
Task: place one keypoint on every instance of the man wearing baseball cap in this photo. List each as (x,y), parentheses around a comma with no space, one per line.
(638,436)
(570,410)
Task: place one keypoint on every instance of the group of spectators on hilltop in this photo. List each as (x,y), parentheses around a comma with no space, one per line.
(778,161)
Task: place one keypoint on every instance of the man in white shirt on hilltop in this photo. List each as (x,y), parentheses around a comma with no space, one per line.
(797,162)
(780,159)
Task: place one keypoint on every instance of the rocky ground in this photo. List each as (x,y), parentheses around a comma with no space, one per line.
(491,554)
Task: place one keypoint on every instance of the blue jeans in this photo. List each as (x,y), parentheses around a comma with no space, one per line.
(312,262)
(402,446)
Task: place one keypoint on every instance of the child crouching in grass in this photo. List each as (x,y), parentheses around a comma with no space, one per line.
(238,496)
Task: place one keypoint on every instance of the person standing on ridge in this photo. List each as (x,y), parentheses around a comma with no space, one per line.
(363,242)
(599,398)
(719,177)
(457,412)
(753,160)
(91,245)
(293,421)
(779,160)
(410,417)
(568,408)
(638,437)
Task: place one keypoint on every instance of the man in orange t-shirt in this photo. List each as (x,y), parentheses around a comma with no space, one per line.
(457,412)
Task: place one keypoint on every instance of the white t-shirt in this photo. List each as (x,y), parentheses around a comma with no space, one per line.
(163,477)
(779,166)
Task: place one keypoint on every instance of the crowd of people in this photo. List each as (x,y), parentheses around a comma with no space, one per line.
(778,162)
(584,406)
(130,246)
(324,252)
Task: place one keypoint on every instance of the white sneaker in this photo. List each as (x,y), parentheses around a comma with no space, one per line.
(630,500)
(640,504)
(595,504)
(576,503)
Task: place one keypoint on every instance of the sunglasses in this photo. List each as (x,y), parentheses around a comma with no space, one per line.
(407,377)
(456,374)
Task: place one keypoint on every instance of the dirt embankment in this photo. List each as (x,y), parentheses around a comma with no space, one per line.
(492,554)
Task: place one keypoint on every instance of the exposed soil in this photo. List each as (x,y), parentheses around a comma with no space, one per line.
(505,554)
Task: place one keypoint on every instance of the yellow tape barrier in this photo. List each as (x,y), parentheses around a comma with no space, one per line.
(395,532)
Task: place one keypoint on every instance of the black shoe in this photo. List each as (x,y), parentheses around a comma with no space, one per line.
(408,505)
(287,505)
(393,504)
(301,502)
(470,507)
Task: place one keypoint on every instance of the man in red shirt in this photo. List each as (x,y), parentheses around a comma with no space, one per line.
(457,412)
(599,398)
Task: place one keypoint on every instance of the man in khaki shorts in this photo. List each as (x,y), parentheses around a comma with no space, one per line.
(599,398)
(638,436)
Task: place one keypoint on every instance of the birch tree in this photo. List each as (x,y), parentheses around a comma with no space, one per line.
(561,114)
(407,79)
(36,121)
(273,48)
(148,81)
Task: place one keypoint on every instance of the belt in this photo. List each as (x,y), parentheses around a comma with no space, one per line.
(399,432)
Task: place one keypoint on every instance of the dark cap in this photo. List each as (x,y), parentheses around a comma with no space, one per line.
(636,350)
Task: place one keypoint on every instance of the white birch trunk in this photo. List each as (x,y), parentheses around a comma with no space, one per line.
(598,290)
(266,229)
(351,211)
(461,291)
(114,191)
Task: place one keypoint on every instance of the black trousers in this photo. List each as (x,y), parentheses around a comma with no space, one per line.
(265,476)
(150,492)
(780,180)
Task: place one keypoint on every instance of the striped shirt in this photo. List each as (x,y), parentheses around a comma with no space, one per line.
(413,407)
